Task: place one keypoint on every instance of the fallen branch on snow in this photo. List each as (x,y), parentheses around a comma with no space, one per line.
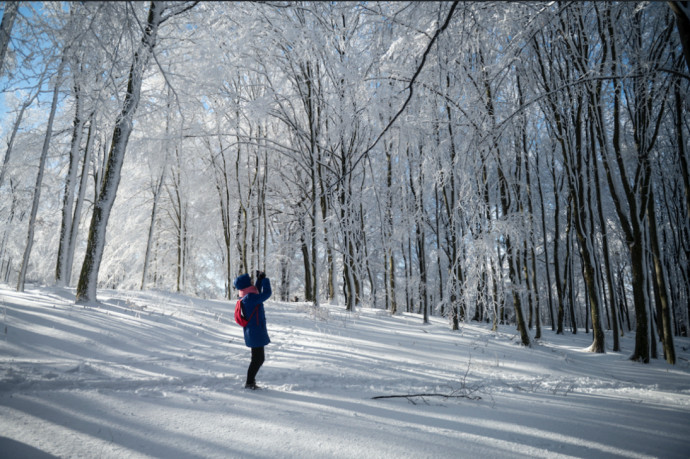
(464,391)
(409,397)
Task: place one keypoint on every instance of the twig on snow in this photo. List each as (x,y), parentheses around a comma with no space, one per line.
(410,397)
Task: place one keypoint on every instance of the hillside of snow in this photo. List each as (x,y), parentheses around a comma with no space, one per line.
(154,374)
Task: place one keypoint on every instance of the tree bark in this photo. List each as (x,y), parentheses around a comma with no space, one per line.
(6,26)
(39,179)
(530,240)
(512,270)
(70,184)
(388,235)
(76,218)
(88,279)
(157,189)
(607,263)
(666,330)
(179,217)
(682,12)
(549,289)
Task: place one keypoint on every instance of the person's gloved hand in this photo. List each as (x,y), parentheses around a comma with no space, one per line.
(260,275)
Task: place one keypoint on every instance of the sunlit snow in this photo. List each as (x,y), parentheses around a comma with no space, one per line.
(152,374)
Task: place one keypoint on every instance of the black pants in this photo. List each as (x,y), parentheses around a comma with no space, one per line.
(258,358)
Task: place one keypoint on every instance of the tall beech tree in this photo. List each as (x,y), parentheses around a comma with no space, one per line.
(88,279)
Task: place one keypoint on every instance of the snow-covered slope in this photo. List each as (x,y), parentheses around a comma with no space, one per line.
(152,374)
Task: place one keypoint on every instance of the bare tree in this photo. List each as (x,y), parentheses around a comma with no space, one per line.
(64,249)
(6,26)
(39,178)
(88,279)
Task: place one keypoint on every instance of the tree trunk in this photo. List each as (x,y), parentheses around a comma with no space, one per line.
(530,215)
(6,26)
(179,202)
(308,290)
(157,189)
(39,180)
(242,214)
(5,266)
(560,294)
(546,246)
(388,237)
(330,282)
(76,218)
(449,192)
(684,229)
(370,276)
(682,12)
(592,291)
(663,307)
(568,273)
(420,249)
(607,262)
(504,193)
(88,279)
(65,240)
(314,209)
(512,270)
(583,218)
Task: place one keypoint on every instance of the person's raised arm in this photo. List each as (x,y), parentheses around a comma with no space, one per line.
(265,290)
(263,285)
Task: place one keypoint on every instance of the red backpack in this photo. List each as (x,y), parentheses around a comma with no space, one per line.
(239,314)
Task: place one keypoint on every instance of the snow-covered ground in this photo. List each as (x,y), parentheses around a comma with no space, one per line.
(153,374)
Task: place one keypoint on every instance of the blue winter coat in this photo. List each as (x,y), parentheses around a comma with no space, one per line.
(255,333)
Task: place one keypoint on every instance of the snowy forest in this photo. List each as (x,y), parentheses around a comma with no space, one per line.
(519,163)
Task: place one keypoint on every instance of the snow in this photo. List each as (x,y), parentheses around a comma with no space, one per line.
(155,374)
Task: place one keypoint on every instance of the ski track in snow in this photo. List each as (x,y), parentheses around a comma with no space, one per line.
(154,374)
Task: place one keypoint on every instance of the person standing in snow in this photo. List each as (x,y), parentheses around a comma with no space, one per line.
(255,333)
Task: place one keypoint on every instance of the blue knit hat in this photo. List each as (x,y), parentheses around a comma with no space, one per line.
(242,282)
